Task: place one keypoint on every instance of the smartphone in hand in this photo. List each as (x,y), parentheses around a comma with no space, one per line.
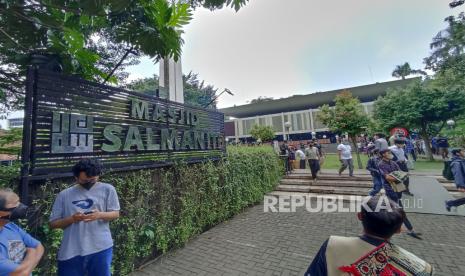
(88,212)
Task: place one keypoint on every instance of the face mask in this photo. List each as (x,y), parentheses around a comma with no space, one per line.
(87,185)
(18,212)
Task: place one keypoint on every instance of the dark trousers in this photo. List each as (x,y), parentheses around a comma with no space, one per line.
(457,202)
(302,163)
(414,155)
(377,185)
(314,166)
(97,264)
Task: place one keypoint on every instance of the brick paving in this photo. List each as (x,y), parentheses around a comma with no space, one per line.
(258,243)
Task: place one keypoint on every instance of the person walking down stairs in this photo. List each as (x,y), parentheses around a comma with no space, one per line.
(311,154)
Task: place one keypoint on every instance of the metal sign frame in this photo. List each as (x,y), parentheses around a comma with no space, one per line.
(68,118)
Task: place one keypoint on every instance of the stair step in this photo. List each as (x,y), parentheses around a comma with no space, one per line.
(361,184)
(339,190)
(293,188)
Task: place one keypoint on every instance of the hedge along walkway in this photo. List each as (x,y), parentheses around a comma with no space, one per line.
(259,243)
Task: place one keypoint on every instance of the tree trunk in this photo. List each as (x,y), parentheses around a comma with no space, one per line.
(357,153)
(429,153)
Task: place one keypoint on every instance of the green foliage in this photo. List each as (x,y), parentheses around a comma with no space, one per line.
(456,134)
(404,70)
(346,116)
(88,37)
(10,141)
(419,105)
(448,44)
(261,99)
(423,105)
(163,208)
(263,133)
(196,93)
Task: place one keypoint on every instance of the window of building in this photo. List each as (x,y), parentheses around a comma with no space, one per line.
(277,123)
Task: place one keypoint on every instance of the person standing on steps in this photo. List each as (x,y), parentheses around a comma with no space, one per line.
(457,167)
(345,157)
(311,153)
(301,156)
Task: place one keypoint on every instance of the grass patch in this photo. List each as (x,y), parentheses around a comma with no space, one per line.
(332,162)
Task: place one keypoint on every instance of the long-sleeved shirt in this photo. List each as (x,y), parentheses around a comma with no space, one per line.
(385,168)
(372,166)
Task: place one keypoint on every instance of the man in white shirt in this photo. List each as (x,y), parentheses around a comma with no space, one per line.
(345,157)
(300,155)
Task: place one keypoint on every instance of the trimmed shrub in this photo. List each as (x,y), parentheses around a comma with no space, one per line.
(162,209)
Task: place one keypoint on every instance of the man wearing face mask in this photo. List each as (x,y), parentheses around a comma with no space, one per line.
(84,211)
(19,252)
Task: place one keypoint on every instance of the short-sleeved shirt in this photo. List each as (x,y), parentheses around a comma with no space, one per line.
(311,153)
(85,238)
(345,151)
(13,244)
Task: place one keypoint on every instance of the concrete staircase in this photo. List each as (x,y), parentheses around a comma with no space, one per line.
(330,183)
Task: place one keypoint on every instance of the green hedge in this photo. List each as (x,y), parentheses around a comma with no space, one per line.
(163,208)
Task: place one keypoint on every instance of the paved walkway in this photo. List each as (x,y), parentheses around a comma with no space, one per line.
(258,243)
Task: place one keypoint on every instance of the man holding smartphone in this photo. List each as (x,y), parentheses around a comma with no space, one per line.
(84,211)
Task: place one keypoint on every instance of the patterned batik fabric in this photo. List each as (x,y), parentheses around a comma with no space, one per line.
(388,260)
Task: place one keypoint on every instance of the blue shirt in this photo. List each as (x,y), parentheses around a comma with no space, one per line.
(13,244)
(85,238)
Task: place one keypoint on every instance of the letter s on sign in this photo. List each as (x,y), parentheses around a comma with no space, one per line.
(110,133)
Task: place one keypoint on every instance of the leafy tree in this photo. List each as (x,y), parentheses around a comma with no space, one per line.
(261,99)
(347,116)
(195,91)
(404,70)
(447,45)
(263,133)
(81,35)
(421,105)
(146,86)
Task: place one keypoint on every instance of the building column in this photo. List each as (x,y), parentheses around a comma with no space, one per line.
(171,79)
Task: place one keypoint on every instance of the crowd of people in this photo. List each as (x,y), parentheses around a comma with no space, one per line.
(296,157)
(83,211)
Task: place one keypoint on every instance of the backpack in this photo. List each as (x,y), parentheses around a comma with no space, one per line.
(447,171)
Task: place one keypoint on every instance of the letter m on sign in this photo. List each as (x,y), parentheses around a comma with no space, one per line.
(139,109)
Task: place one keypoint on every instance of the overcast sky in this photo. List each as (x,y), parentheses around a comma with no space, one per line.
(279,48)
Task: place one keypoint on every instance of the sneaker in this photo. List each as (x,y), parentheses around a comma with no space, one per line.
(415,235)
(447,206)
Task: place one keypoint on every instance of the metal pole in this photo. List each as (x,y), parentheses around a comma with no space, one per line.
(26,145)
(214,99)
